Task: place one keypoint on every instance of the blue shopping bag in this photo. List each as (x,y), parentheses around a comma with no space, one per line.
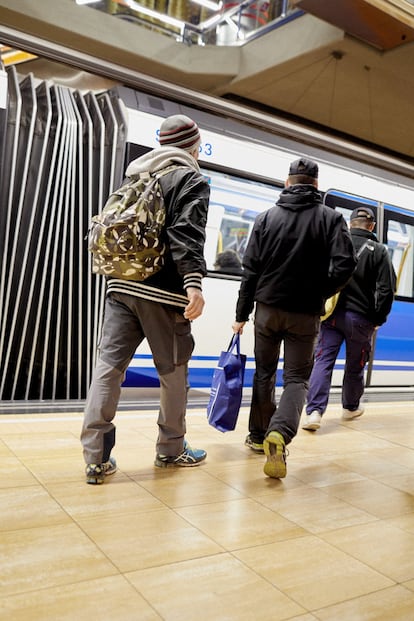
(227,388)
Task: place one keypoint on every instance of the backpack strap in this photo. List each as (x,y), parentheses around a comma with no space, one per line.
(146,175)
(361,250)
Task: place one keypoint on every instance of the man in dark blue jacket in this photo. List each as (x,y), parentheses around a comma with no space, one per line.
(300,253)
(159,309)
(363,305)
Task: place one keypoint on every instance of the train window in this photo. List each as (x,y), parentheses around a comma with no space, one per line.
(399,238)
(234,205)
(346,203)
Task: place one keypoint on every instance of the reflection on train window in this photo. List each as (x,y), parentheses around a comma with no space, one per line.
(400,243)
(234,205)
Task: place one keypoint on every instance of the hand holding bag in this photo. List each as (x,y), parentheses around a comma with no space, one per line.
(227,387)
(330,305)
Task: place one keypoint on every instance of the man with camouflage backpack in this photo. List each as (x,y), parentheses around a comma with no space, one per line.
(158,308)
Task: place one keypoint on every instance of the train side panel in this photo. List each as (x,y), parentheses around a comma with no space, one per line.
(246,177)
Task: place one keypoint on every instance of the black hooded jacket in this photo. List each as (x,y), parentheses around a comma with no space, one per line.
(372,286)
(300,252)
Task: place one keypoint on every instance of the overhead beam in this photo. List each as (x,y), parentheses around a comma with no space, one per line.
(380,23)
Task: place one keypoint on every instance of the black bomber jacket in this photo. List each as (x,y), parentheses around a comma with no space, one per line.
(186,195)
(299,253)
(372,287)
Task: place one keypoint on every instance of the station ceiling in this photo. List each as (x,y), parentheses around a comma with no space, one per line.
(349,71)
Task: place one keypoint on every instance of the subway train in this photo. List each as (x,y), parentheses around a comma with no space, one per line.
(246,168)
(65,149)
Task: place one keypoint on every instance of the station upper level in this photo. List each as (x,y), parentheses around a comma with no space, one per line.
(344,66)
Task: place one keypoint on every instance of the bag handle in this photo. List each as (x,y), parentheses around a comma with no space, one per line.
(235,342)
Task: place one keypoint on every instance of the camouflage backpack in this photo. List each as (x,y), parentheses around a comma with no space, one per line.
(125,238)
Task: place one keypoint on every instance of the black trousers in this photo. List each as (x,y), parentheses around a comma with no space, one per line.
(297,332)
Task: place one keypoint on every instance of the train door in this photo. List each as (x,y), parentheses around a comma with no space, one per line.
(397,334)
(391,362)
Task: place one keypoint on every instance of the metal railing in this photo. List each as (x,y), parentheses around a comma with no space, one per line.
(202,22)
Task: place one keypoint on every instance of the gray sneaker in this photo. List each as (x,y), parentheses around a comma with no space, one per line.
(96,473)
(257,447)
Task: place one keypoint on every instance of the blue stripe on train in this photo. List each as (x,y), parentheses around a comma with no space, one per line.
(394,342)
(146,377)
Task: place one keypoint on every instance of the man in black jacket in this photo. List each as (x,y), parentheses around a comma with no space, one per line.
(159,309)
(299,253)
(363,305)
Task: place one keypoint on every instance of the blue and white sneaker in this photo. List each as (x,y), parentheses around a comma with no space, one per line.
(189,457)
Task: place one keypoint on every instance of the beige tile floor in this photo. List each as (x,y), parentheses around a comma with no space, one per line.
(334,541)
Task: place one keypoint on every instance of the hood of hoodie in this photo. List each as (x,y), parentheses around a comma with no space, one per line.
(160,158)
(299,197)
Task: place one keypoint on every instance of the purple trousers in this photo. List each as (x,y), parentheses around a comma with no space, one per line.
(356,331)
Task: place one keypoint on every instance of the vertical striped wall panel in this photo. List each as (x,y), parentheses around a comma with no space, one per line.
(62,154)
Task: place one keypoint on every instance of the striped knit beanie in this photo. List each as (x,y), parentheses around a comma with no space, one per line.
(179,131)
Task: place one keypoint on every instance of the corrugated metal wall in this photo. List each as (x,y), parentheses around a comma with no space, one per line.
(63,153)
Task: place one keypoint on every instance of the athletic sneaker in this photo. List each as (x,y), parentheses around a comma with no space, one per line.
(275,451)
(189,457)
(350,414)
(313,421)
(96,473)
(257,447)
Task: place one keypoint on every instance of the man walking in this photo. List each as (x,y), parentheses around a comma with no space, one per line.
(159,309)
(363,306)
(299,253)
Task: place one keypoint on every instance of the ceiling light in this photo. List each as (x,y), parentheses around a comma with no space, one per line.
(166,19)
(213,6)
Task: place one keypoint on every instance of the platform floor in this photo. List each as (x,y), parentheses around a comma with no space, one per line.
(334,541)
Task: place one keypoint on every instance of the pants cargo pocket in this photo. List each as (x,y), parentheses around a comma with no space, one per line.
(183,340)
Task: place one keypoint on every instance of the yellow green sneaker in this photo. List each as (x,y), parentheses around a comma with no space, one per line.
(275,451)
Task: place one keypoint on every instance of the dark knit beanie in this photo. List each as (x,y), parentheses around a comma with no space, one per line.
(179,131)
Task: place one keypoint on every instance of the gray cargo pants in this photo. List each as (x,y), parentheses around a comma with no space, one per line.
(127,321)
